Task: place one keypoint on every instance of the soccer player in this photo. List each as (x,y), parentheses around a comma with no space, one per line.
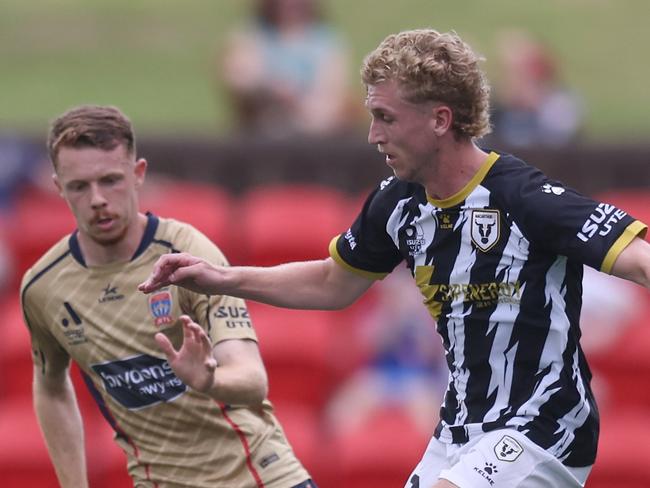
(196,418)
(497,250)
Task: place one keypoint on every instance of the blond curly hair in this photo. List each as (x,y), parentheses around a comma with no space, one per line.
(429,65)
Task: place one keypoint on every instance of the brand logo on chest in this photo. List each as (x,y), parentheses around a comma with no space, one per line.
(110,294)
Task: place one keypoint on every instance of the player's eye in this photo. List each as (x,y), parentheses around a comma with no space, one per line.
(77,186)
(111,180)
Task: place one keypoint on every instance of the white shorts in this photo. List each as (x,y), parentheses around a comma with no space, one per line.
(495,459)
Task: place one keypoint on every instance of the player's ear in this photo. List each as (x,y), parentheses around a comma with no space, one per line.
(140,170)
(442,117)
(57,183)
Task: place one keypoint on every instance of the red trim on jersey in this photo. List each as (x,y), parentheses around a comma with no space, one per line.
(242,438)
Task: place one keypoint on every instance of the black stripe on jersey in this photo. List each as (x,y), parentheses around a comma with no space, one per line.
(167,244)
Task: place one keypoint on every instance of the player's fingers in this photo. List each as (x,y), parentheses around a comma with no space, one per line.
(188,334)
(165,345)
(162,268)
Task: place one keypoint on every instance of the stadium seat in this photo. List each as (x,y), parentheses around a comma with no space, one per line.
(24,460)
(39,220)
(622,451)
(15,351)
(291,222)
(310,441)
(298,350)
(382,452)
(209,208)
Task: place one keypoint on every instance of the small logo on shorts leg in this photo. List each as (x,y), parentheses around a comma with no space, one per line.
(490,468)
(487,471)
(508,449)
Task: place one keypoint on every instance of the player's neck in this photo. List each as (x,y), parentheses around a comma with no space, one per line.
(456,165)
(121,251)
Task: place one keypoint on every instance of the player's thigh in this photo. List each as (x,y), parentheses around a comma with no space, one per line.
(508,458)
(427,472)
(445,484)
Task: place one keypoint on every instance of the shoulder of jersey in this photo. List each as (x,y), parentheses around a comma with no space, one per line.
(182,236)
(57,253)
(392,187)
(509,173)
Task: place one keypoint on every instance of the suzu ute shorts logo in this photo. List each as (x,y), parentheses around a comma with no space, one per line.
(508,449)
(485,228)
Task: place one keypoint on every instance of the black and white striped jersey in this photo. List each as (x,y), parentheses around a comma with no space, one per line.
(500,267)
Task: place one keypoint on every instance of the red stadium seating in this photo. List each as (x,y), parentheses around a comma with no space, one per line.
(310,441)
(207,207)
(284,223)
(382,452)
(24,460)
(39,220)
(298,351)
(15,351)
(622,451)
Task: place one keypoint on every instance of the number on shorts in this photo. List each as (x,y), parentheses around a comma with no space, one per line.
(415,481)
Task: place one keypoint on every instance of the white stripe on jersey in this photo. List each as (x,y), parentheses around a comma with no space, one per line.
(461,273)
(514,256)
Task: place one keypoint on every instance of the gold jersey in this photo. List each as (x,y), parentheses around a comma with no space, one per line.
(173,436)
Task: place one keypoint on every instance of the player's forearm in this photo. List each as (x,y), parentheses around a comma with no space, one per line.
(239,386)
(301,285)
(60,421)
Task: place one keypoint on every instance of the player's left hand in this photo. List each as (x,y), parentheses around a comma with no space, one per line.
(193,363)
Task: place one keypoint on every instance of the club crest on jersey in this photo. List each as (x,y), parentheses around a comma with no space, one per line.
(508,449)
(160,305)
(485,228)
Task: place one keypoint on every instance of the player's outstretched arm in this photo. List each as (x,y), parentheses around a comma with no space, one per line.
(321,284)
(185,270)
(58,415)
(232,372)
(634,263)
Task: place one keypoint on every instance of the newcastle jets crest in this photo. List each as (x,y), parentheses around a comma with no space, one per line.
(485,228)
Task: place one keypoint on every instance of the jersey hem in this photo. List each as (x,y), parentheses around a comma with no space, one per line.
(635,229)
(334,253)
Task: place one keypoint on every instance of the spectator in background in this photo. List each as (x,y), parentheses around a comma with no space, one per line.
(286,72)
(406,367)
(532,107)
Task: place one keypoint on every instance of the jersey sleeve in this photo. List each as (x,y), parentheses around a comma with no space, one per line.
(567,223)
(223,317)
(47,352)
(366,248)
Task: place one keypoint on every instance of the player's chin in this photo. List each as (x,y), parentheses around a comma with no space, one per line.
(109,238)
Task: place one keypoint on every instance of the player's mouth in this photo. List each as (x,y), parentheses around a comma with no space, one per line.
(104,223)
(389,157)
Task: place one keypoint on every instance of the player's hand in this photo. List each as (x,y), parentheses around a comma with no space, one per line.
(183,270)
(193,363)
